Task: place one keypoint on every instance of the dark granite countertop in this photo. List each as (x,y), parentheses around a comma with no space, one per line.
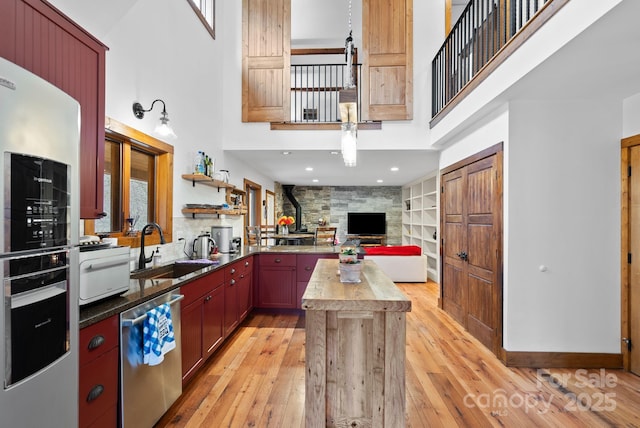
(141,290)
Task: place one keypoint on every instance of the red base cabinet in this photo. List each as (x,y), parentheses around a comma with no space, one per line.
(276,281)
(201,315)
(98,388)
(213,306)
(237,293)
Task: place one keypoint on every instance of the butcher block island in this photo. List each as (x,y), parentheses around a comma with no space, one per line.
(355,349)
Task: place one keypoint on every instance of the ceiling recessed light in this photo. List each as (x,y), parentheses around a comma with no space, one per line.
(395,168)
(315,180)
(286,153)
(334,152)
(308,168)
(379,181)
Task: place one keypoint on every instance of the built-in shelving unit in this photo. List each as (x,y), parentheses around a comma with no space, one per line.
(420,220)
(230,189)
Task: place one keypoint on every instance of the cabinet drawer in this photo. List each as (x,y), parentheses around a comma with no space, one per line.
(98,391)
(97,339)
(268,260)
(198,288)
(247,264)
(238,269)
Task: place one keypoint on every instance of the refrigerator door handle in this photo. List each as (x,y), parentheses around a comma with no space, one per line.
(141,318)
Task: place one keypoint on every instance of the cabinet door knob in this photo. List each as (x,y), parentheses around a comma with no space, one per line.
(277,260)
(95,392)
(232,282)
(307,268)
(233,270)
(206,299)
(95,342)
(246,264)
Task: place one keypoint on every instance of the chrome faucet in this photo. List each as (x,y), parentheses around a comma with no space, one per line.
(142,261)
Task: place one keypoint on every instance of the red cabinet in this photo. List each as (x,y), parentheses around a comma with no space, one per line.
(245,289)
(98,388)
(237,293)
(39,38)
(201,321)
(277,281)
(213,313)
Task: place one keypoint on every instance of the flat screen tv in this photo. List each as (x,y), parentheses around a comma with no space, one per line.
(366,223)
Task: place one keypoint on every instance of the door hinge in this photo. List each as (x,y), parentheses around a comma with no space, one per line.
(629,171)
(441,189)
(628,342)
(629,258)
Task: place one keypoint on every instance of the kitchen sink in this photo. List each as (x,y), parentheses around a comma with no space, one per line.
(173,270)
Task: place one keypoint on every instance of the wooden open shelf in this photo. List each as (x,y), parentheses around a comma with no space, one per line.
(207,181)
(230,189)
(232,211)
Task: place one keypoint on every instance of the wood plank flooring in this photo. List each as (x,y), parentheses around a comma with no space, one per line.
(257,380)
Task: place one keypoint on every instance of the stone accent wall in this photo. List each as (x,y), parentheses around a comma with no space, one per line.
(333,203)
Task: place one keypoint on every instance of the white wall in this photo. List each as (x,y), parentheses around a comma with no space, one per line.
(561,210)
(631,116)
(428,32)
(565,188)
(331,19)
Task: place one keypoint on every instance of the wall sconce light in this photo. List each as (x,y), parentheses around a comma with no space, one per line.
(163,129)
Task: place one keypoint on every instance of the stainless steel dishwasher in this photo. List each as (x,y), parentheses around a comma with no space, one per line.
(147,392)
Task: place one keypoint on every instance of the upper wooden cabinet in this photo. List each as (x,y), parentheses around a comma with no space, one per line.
(39,38)
(266,60)
(387,72)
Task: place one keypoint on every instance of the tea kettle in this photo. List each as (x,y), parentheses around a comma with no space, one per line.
(203,246)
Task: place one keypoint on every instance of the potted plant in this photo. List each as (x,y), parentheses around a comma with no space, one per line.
(348,255)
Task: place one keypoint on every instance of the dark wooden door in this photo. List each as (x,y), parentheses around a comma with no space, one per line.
(454,287)
(471,289)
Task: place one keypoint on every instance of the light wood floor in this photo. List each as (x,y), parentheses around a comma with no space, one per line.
(257,380)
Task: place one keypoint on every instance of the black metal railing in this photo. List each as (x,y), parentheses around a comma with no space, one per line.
(314,91)
(483,28)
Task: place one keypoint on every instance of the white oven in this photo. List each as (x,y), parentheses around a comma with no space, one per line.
(103,273)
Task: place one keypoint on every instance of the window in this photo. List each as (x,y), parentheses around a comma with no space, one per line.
(206,11)
(138,185)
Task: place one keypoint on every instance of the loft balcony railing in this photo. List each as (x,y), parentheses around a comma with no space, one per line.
(483,30)
(314,91)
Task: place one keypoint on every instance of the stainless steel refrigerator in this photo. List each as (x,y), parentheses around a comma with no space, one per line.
(39,152)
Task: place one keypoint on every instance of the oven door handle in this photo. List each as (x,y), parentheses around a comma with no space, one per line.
(38,273)
(111,263)
(37,295)
(131,322)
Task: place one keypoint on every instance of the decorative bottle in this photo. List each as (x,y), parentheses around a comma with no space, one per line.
(197,163)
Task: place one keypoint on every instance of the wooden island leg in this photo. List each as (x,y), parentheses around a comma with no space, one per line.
(316,373)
